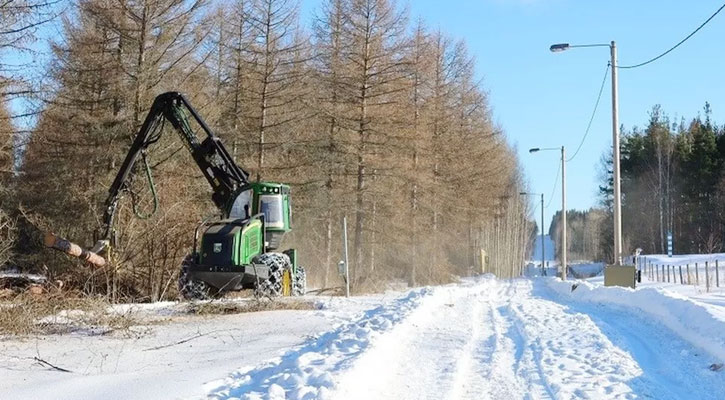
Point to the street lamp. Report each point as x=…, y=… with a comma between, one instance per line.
x=562, y=273
x=559, y=47
x=543, y=251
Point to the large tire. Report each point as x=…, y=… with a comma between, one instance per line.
x=277, y=264
x=190, y=288
x=299, y=283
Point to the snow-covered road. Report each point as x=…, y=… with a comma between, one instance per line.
x=481, y=338
x=487, y=339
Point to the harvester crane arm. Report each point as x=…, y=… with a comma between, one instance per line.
x=213, y=159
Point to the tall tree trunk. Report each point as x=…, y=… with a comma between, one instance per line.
x=141, y=68
x=265, y=89
x=362, y=149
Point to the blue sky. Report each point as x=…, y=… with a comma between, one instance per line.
x=542, y=99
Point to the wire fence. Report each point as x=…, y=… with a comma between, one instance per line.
x=698, y=273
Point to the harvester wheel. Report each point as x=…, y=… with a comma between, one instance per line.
x=190, y=288
x=277, y=264
x=299, y=286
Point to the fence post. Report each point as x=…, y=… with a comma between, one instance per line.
x=657, y=273
x=697, y=276
x=717, y=275
x=680, y=274
x=668, y=273
x=707, y=278
x=688, y=273
x=347, y=265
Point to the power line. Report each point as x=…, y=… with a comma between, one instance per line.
x=677, y=45
x=556, y=181
x=594, y=112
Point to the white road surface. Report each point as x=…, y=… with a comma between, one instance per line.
x=488, y=339
x=479, y=339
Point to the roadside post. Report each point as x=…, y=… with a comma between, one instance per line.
x=697, y=275
x=346, y=267
x=717, y=275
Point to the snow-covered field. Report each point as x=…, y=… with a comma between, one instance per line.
x=481, y=338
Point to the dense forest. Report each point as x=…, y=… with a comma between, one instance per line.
x=672, y=181
x=583, y=233
x=362, y=112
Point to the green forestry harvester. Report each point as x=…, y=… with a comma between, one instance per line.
x=237, y=251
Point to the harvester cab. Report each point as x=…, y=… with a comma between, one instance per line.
x=239, y=250
x=270, y=199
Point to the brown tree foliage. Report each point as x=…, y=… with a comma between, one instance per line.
x=113, y=59
x=362, y=117
x=19, y=21
x=7, y=224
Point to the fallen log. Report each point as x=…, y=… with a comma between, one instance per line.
x=73, y=249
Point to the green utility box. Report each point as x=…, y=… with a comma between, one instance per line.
x=620, y=275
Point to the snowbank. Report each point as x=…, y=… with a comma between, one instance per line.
x=689, y=319
x=305, y=372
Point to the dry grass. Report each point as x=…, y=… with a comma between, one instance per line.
x=240, y=307
x=60, y=313
x=63, y=313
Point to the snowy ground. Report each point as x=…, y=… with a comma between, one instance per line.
x=479, y=339
x=714, y=300
x=171, y=358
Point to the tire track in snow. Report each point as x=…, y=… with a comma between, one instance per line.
x=672, y=368
x=566, y=355
x=468, y=377
x=527, y=366
x=481, y=339
x=422, y=357
x=493, y=373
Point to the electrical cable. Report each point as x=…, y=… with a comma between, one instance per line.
x=594, y=112
x=556, y=182
x=675, y=46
